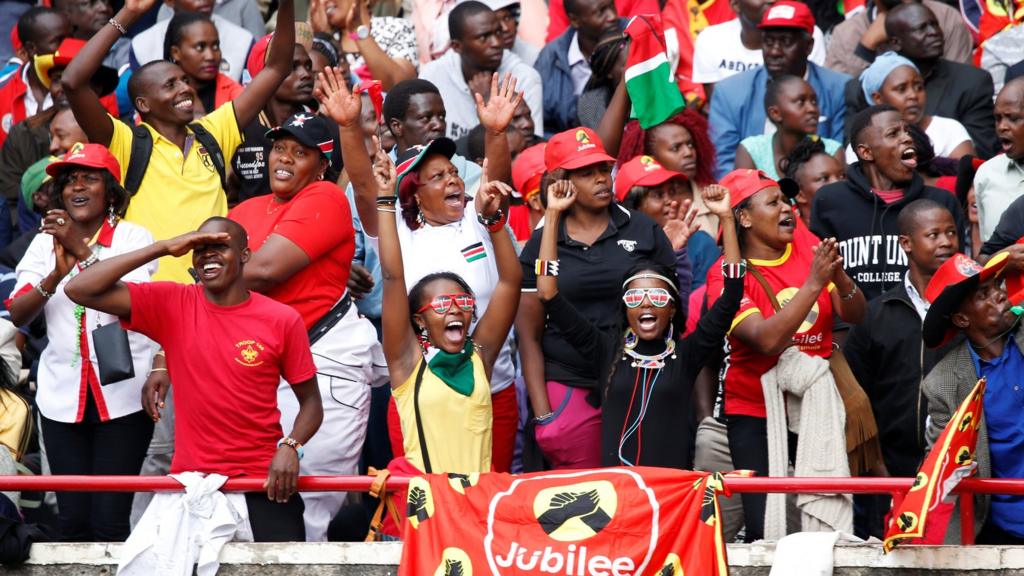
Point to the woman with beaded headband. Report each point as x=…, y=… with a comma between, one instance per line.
x=647, y=371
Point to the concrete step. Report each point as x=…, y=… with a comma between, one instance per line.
x=381, y=559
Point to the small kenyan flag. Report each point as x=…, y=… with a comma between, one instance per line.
x=474, y=252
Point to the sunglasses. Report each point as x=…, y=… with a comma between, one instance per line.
x=634, y=297
x=443, y=303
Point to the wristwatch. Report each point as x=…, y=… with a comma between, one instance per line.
x=362, y=33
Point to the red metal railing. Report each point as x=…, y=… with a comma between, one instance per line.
x=362, y=484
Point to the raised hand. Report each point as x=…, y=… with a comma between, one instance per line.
x=181, y=245
x=58, y=223
x=561, y=195
x=716, y=198
x=497, y=114
x=384, y=172
x=336, y=101
x=679, y=230
x=65, y=260
x=826, y=260
x=318, y=17
x=139, y=6
x=492, y=195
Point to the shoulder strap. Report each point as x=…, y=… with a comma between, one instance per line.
x=764, y=284
x=138, y=160
x=207, y=140
x=419, y=420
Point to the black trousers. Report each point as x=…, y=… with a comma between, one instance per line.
x=92, y=447
x=273, y=522
x=748, y=443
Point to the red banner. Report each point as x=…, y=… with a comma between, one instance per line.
x=922, y=514
x=609, y=522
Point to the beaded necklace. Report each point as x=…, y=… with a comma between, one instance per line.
x=649, y=368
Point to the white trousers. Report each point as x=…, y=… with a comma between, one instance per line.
x=349, y=360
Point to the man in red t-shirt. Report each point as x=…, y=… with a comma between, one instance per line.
x=227, y=350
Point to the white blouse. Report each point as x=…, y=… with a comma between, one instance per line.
x=65, y=371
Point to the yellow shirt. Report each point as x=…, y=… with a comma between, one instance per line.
x=180, y=190
x=14, y=423
x=457, y=428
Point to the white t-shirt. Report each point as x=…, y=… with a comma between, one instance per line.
x=459, y=104
x=719, y=53
x=945, y=133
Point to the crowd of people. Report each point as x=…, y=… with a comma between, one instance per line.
x=320, y=237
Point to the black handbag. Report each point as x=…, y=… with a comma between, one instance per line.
x=113, y=353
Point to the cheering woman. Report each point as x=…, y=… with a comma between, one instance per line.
x=440, y=373
x=646, y=371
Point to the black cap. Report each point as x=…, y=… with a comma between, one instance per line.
x=309, y=129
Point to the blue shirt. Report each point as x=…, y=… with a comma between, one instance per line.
x=1003, y=405
x=370, y=304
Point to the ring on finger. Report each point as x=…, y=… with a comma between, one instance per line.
x=61, y=222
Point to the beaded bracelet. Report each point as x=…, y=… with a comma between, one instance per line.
x=92, y=259
x=495, y=222
x=387, y=200
x=117, y=25
x=545, y=267
x=42, y=292
x=734, y=270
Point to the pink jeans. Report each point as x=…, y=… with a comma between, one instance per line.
x=571, y=438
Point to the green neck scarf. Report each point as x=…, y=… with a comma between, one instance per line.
x=455, y=370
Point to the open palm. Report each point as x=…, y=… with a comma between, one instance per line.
x=497, y=113
x=336, y=101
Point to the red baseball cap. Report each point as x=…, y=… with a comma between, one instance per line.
x=954, y=281
x=745, y=182
x=528, y=169
x=88, y=156
x=260, y=50
x=642, y=171
x=788, y=14
x=574, y=148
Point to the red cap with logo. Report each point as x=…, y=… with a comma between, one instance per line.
x=528, y=169
x=87, y=156
x=642, y=171
x=745, y=182
x=954, y=281
x=575, y=148
x=788, y=14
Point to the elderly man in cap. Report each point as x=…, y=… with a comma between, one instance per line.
x=966, y=297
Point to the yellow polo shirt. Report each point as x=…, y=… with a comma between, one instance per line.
x=180, y=189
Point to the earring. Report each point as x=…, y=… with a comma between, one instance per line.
x=420, y=219
x=111, y=216
x=630, y=340
x=320, y=177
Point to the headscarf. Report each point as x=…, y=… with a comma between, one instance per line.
x=874, y=76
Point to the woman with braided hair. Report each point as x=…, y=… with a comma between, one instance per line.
x=607, y=65
x=811, y=166
x=646, y=371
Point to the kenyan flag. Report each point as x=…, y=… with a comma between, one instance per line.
x=474, y=252
x=649, y=79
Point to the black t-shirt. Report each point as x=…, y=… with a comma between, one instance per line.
x=249, y=164
x=590, y=278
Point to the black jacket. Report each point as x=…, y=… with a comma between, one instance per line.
x=865, y=227
x=887, y=355
x=953, y=90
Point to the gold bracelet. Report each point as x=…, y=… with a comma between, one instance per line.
x=151, y=370
x=160, y=353
x=391, y=210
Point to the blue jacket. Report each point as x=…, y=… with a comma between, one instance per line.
x=559, y=96
x=737, y=109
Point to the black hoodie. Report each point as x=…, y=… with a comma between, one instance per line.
x=865, y=227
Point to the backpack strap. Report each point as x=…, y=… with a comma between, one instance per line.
x=207, y=141
x=138, y=161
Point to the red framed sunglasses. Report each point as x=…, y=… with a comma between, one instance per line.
x=442, y=303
